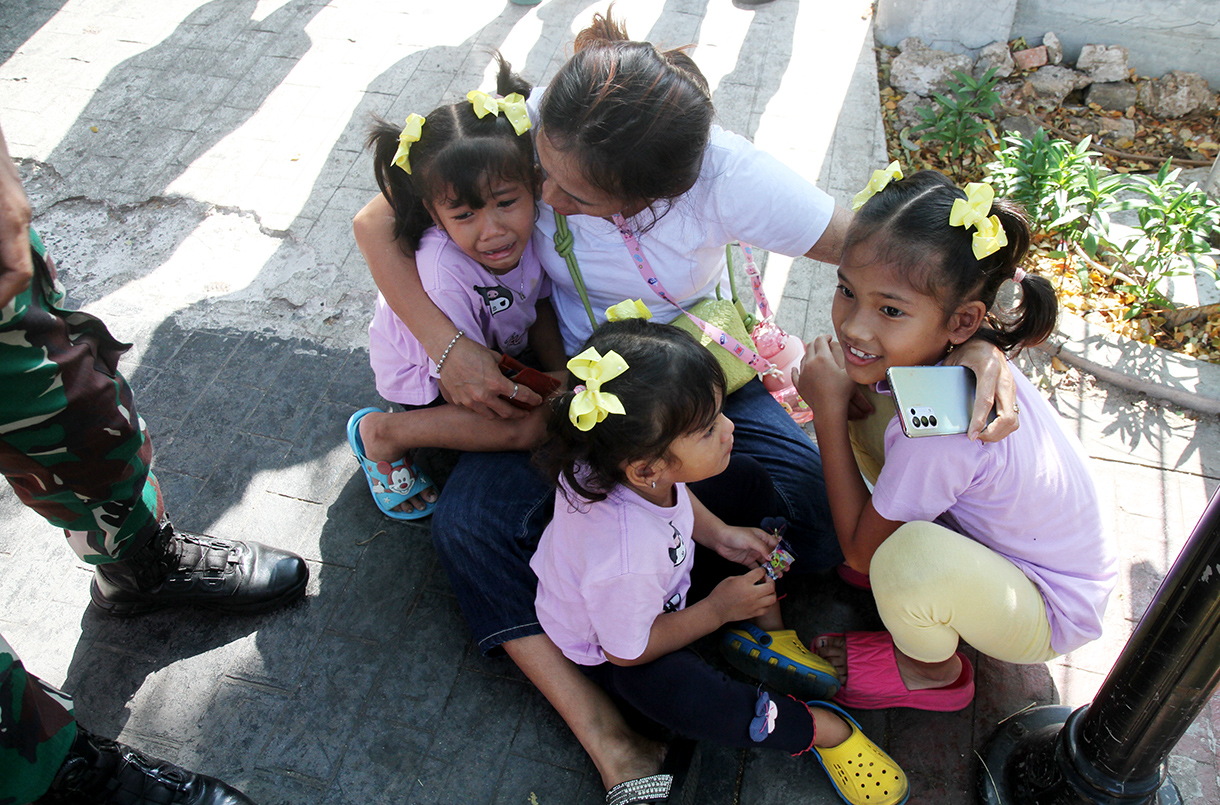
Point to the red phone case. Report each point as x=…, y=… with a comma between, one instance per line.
x=518, y=372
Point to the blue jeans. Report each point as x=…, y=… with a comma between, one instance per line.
x=496, y=505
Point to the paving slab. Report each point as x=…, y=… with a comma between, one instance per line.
x=207, y=219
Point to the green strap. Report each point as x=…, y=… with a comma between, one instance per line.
x=563, y=245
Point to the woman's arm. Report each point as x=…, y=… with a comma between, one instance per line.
x=994, y=388
x=545, y=339
x=470, y=376
x=829, y=248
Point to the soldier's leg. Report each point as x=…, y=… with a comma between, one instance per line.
x=36, y=731
x=75, y=450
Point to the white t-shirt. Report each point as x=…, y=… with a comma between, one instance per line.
x=606, y=571
x=1029, y=497
x=742, y=194
x=493, y=310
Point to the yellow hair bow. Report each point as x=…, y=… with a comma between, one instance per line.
x=973, y=210
x=410, y=134
x=881, y=177
x=628, y=309
x=988, y=237
x=590, y=404
x=513, y=107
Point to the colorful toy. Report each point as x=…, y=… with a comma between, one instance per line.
x=781, y=558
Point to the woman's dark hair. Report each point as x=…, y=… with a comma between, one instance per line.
x=456, y=154
x=911, y=217
x=672, y=387
x=637, y=119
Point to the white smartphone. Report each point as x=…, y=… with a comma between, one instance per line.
x=932, y=400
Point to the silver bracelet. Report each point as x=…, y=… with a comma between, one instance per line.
x=445, y=354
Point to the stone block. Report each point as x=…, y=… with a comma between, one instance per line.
x=1051, y=84
x=1112, y=95
x=925, y=71
x=1119, y=128
x=1054, y=49
x=1103, y=62
x=1175, y=94
x=995, y=55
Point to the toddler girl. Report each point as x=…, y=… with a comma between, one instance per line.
x=614, y=565
x=1002, y=544
x=461, y=183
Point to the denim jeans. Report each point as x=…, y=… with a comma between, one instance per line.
x=496, y=505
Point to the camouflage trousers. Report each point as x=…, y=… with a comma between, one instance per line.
x=71, y=443
x=36, y=730
x=74, y=449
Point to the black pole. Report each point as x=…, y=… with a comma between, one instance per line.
x=1116, y=749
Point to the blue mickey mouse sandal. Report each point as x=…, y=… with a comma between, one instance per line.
x=780, y=661
x=392, y=483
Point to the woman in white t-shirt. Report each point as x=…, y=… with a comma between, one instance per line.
x=625, y=130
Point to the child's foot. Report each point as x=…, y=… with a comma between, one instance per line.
x=860, y=771
x=377, y=447
x=876, y=675
x=915, y=675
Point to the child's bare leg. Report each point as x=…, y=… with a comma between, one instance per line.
x=771, y=620
x=618, y=752
x=390, y=436
x=829, y=729
x=915, y=675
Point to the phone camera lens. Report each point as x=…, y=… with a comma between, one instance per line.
x=932, y=419
x=923, y=420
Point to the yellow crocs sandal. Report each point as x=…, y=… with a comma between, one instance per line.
x=780, y=661
x=860, y=771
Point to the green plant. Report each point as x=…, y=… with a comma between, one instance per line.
x=1172, y=240
x=1060, y=185
x=957, y=118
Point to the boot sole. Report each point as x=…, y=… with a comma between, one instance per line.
x=128, y=609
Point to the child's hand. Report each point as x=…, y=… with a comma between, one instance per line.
x=745, y=546
x=740, y=598
x=822, y=380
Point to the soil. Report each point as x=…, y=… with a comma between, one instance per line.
x=1191, y=141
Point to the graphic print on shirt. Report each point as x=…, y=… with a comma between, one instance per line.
x=677, y=547
x=673, y=604
x=497, y=298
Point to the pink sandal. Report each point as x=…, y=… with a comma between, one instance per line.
x=873, y=681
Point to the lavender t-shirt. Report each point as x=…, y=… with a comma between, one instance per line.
x=493, y=310
x=606, y=571
x=1029, y=497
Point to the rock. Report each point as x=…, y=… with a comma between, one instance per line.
x=1103, y=63
x=1112, y=95
x=911, y=43
x=1013, y=95
x=925, y=71
x=1050, y=85
x=1020, y=124
x=1116, y=128
x=1054, y=49
x=1175, y=94
x=1086, y=125
x=908, y=110
x=995, y=55
x=1030, y=58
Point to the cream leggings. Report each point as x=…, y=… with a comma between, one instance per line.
x=934, y=586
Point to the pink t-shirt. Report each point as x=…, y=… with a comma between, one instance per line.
x=1029, y=497
x=495, y=311
x=607, y=570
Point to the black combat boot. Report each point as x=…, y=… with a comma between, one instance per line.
x=176, y=569
x=99, y=771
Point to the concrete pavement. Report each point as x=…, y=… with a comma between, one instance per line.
x=194, y=167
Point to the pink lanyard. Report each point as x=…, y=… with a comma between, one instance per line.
x=751, y=358
x=764, y=310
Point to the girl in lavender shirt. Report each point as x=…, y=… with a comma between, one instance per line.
x=1000, y=544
